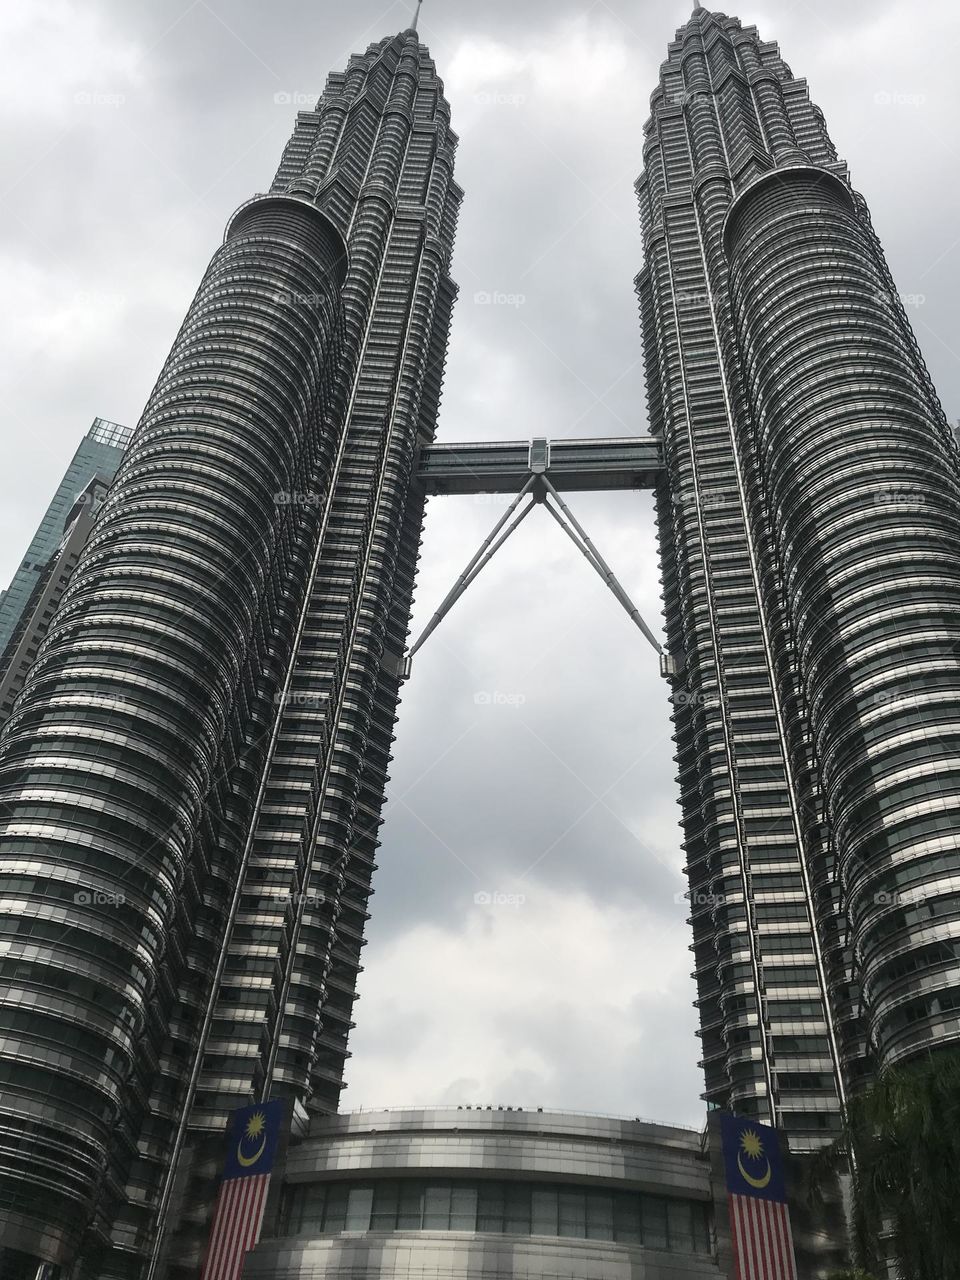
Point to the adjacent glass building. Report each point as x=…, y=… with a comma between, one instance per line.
x=51, y=582
x=98, y=454
x=192, y=776
x=809, y=519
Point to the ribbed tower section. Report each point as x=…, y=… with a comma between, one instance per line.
x=809, y=541
x=859, y=467
x=193, y=776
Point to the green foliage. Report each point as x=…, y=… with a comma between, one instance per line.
x=904, y=1133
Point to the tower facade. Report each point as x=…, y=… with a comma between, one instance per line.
x=193, y=774
x=809, y=519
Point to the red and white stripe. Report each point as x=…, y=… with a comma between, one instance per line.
x=236, y=1226
x=762, y=1239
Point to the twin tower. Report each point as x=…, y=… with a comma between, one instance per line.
x=192, y=777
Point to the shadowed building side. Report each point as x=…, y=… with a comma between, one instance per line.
x=768, y=964
x=109, y=763
x=193, y=775
x=809, y=537
x=376, y=157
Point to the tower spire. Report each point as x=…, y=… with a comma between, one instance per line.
x=416, y=16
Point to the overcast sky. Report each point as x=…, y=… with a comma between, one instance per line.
x=132, y=131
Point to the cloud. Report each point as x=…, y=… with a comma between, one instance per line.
x=545, y=998
x=58, y=57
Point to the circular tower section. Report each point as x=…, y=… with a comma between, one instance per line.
x=114, y=747
x=861, y=479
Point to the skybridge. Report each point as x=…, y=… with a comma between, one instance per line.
x=538, y=472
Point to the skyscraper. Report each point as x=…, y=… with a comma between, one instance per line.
x=809, y=522
x=98, y=453
x=193, y=774
x=192, y=778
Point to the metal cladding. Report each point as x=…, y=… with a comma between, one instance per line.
x=114, y=744
x=193, y=775
x=859, y=467
x=809, y=535
x=496, y=1192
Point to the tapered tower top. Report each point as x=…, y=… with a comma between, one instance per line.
x=416, y=16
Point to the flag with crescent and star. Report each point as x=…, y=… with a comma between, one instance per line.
x=253, y=1136
x=757, y=1193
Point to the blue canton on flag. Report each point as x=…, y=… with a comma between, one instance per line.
x=751, y=1153
x=252, y=1139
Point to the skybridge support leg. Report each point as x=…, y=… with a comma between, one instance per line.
x=488, y=550
x=541, y=490
x=582, y=540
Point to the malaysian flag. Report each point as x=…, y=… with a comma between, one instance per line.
x=253, y=1135
x=757, y=1196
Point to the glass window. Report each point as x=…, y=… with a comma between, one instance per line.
x=490, y=1207
x=335, y=1217
x=626, y=1219
x=680, y=1226
x=385, y=1204
x=463, y=1209
x=410, y=1212
x=436, y=1209
x=599, y=1215
x=510, y=1207
x=701, y=1228
x=359, y=1205
x=516, y=1220
x=654, y=1217
x=544, y=1211
x=573, y=1214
